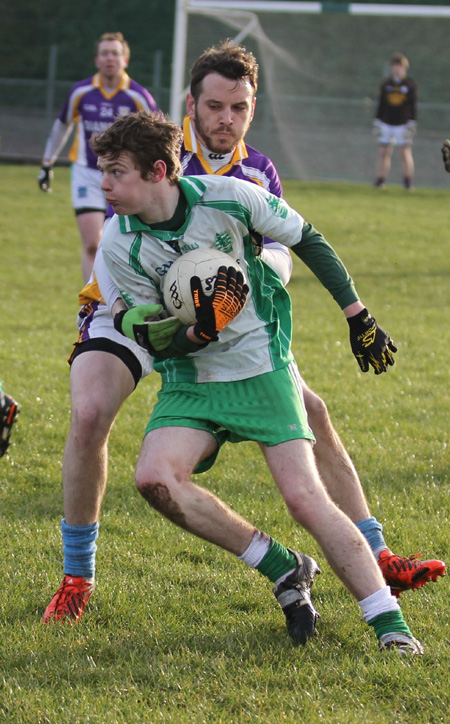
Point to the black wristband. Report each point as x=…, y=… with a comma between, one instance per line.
x=180, y=345
x=362, y=318
x=118, y=320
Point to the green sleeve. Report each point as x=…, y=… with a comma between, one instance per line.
x=323, y=261
x=180, y=345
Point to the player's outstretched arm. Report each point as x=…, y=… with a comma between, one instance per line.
x=370, y=344
x=56, y=141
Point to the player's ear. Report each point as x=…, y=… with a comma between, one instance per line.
x=159, y=171
x=253, y=108
x=190, y=105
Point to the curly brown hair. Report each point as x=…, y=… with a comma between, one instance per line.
x=147, y=137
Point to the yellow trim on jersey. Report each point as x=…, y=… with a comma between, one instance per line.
x=191, y=144
x=123, y=85
x=73, y=153
x=256, y=181
x=90, y=293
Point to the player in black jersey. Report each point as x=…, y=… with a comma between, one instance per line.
x=395, y=121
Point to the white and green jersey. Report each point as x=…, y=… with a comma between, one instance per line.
x=222, y=211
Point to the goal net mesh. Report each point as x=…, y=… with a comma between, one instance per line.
x=319, y=81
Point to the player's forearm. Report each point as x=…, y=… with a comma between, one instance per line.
x=55, y=142
x=326, y=265
x=353, y=309
x=184, y=342
x=108, y=288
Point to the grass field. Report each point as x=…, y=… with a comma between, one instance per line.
x=177, y=630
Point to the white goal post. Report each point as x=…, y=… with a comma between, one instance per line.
x=310, y=53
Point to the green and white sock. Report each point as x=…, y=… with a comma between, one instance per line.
x=277, y=563
x=269, y=557
x=382, y=612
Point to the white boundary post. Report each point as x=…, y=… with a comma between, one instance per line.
x=178, y=60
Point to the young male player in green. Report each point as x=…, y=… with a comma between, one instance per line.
x=232, y=374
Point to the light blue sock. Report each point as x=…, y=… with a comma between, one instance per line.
x=79, y=548
x=372, y=530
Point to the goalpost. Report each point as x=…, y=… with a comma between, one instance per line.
x=321, y=65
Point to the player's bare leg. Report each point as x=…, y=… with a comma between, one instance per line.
x=100, y=382
x=335, y=466
x=342, y=482
x=348, y=553
x=90, y=225
x=168, y=457
x=293, y=467
x=383, y=164
x=407, y=163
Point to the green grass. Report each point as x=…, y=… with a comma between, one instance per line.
x=177, y=630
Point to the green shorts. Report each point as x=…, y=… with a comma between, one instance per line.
x=268, y=409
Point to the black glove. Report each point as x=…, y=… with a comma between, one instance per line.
x=215, y=311
x=45, y=177
x=136, y=324
x=446, y=155
x=370, y=344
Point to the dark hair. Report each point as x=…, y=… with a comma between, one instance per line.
x=228, y=59
x=147, y=137
x=114, y=36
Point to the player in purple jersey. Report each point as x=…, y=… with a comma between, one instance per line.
x=395, y=121
x=93, y=104
x=106, y=366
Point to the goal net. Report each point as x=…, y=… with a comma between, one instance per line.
x=321, y=65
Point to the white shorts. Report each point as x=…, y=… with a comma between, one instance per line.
x=394, y=135
x=86, y=188
x=97, y=332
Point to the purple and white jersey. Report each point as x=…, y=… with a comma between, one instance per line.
x=245, y=162
x=93, y=109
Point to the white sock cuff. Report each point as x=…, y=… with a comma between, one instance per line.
x=257, y=549
x=382, y=601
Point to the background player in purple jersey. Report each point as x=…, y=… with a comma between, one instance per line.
x=220, y=106
x=93, y=104
x=395, y=121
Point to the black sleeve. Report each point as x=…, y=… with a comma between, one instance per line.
x=180, y=345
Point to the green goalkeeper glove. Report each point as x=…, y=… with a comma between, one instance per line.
x=370, y=344
x=152, y=336
x=446, y=155
x=214, y=312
